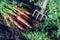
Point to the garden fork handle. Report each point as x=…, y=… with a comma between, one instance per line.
x=45, y=4
x=41, y=12
x=43, y=9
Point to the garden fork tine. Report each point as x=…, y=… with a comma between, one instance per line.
x=35, y=12
x=42, y=10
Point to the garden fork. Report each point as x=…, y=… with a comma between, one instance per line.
x=41, y=12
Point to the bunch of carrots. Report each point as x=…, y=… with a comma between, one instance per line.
x=21, y=19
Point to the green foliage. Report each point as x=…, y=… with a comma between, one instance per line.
x=58, y=33
x=7, y=7
x=53, y=21
x=36, y=36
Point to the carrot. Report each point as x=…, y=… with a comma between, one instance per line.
x=24, y=21
x=24, y=17
x=20, y=12
x=12, y=19
x=26, y=12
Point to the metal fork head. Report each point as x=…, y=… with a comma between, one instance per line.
x=38, y=14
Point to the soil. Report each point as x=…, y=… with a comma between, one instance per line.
x=7, y=33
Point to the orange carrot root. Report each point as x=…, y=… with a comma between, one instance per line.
x=20, y=12
x=26, y=12
x=12, y=19
x=24, y=21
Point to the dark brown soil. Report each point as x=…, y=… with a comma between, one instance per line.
x=7, y=33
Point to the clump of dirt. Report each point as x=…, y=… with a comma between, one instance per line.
x=9, y=34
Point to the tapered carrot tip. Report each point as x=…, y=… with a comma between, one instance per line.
x=24, y=21
x=26, y=12
x=12, y=19
x=24, y=17
x=20, y=12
